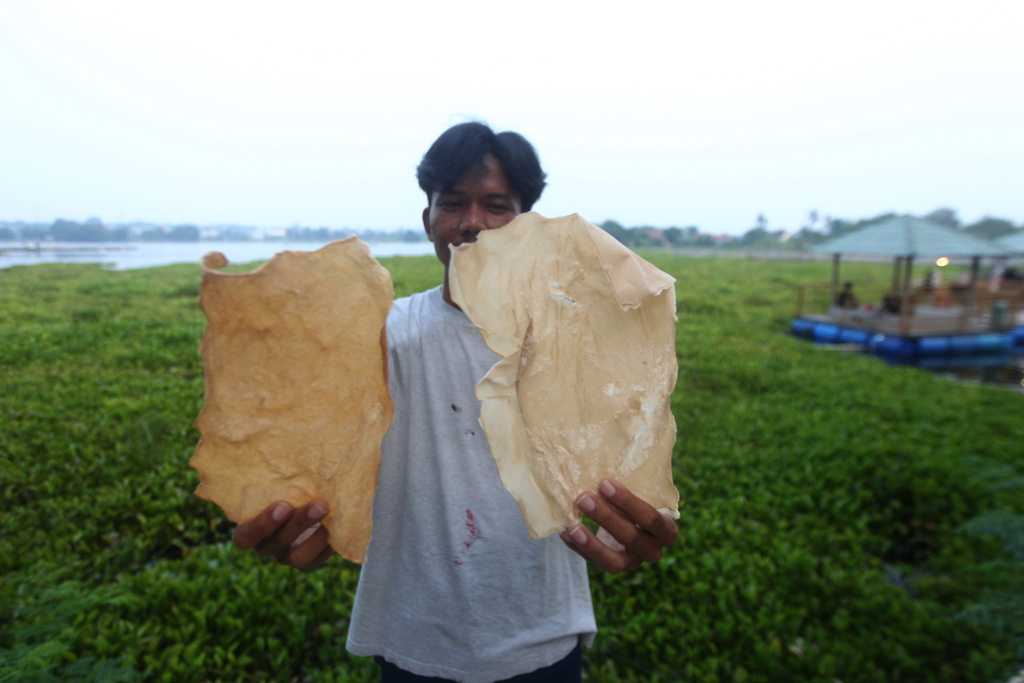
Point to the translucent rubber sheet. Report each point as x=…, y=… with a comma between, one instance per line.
x=586, y=332
x=296, y=399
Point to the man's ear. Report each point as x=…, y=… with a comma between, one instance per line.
x=426, y=223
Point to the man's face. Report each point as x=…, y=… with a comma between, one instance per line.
x=480, y=200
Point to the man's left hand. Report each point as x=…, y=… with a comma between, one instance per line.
x=632, y=532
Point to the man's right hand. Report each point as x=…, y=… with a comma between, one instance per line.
x=291, y=536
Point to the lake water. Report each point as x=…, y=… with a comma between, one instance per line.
x=125, y=255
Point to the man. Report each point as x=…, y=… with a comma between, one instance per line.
x=452, y=586
x=846, y=298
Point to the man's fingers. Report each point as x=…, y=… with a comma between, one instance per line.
x=644, y=547
x=326, y=555
x=307, y=516
x=308, y=553
x=279, y=544
x=634, y=530
x=636, y=541
x=609, y=517
x=608, y=539
x=586, y=544
x=639, y=512
x=567, y=539
x=250, y=534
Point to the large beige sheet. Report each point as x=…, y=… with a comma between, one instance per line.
x=296, y=388
x=586, y=332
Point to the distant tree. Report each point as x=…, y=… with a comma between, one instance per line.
x=680, y=237
x=412, y=236
x=71, y=231
x=35, y=233
x=153, y=235
x=675, y=236
x=944, y=216
x=753, y=236
x=65, y=231
x=616, y=230
x=234, y=234
x=761, y=238
x=6, y=234
x=806, y=237
x=314, y=234
x=812, y=219
x=761, y=223
x=880, y=218
x=810, y=233
x=991, y=228
x=837, y=227
x=183, y=233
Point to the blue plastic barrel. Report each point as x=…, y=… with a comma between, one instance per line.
x=802, y=328
x=907, y=348
x=1018, y=337
x=963, y=344
x=826, y=333
x=850, y=336
x=993, y=343
x=933, y=346
x=899, y=348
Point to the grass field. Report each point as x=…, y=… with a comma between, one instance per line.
x=843, y=520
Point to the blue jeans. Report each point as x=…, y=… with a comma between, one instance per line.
x=568, y=670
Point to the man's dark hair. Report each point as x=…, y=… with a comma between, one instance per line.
x=464, y=146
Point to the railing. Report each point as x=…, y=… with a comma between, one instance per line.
x=975, y=303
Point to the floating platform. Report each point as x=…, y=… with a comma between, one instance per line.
x=971, y=349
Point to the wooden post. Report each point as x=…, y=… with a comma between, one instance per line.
x=835, y=280
x=969, y=304
x=896, y=274
x=905, y=311
x=975, y=267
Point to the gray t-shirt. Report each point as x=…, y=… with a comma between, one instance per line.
x=452, y=585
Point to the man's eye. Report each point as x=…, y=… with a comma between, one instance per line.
x=499, y=208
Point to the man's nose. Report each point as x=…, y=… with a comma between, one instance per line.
x=473, y=219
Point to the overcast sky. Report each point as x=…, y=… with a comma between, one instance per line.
x=274, y=114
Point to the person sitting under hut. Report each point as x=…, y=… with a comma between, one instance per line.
x=931, y=290
x=846, y=298
x=891, y=303
x=960, y=290
x=523, y=608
